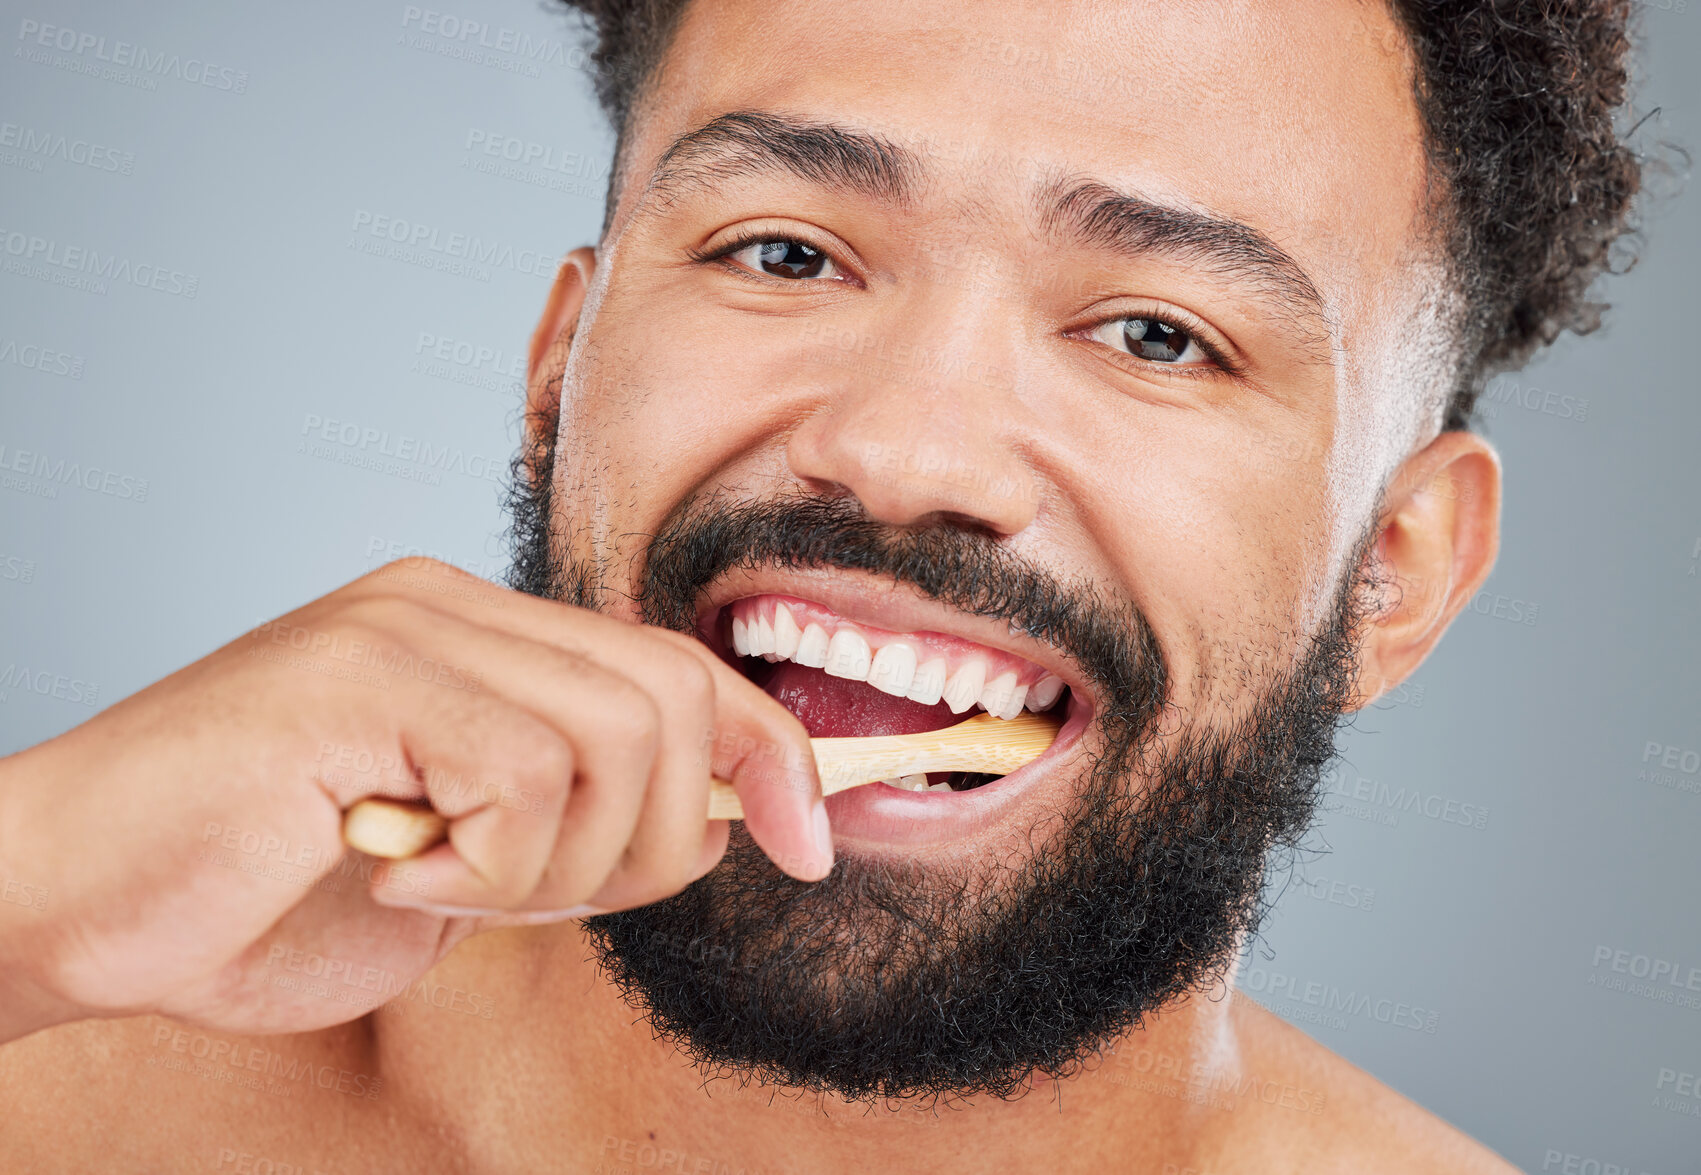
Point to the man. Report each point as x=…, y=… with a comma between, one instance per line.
x=1110, y=360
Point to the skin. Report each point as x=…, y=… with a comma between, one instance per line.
x=1224, y=505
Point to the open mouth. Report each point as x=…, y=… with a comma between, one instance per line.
x=845, y=678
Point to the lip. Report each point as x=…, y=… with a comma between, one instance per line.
x=876, y=819
x=875, y=816
x=879, y=603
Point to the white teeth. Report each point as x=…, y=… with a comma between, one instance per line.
x=1043, y=694
x=1013, y=707
x=928, y=683
x=995, y=694
x=908, y=783
x=1002, y=697
x=812, y=647
x=786, y=632
x=761, y=636
x=963, y=690
x=848, y=656
x=939, y=787
x=893, y=668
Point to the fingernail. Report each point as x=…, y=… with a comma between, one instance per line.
x=444, y=911
x=823, y=837
x=544, y=917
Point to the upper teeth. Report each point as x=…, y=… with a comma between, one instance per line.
x=894, y=668
x=1003, y=698
x=928, y=685
x=786, y=634
x=848, y=655
x=812, y=647
x=964, y=687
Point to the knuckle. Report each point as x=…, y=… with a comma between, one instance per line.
x=633, y=721
x=534, y=754
x=573, y=664
x=690, y=696
x=417, y=564
x=384, y=613
x=408, y=613
x=364, y=634
x=696, y=683
x=350, y=630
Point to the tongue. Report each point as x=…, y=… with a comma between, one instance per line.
x=831, y=707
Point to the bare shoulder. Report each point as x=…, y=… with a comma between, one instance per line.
x=52, y=1080
x=1364, y=1125
x=153, y=1094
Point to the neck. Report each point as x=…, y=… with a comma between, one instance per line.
x=562, y=1071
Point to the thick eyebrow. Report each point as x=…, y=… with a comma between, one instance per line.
x=1095, y=215
x=744, y=142
x=1084, y=211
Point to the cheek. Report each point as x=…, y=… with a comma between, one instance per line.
x=673, y=393
x=1222, y=539
x=633, y=424
x=651, y=415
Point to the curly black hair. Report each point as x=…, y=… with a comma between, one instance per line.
x=1519, y=100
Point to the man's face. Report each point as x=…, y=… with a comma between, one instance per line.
x=1114, y=311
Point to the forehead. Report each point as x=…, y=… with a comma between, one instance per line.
x=1293, y=116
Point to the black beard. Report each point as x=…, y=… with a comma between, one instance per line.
x=892, y=982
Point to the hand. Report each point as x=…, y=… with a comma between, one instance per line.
x=188, y=839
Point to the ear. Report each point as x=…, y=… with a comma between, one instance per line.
x=554, y=334
x=1439, y=534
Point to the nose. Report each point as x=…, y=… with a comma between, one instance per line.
x=919, y=435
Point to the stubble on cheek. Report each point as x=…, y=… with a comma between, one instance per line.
x=1224, y=672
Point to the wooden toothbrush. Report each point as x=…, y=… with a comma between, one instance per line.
x=395, y=830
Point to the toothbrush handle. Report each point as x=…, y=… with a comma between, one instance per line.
x=396, y=830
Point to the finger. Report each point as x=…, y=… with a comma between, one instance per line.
x=753, y=742
x=626, y=890
x=614, y=730
x=502, y=776
x=662, y=855
x=758, y=745
x=780, y=792
x=605, y=901
x=331, y=958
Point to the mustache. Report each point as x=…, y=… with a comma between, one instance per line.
x=963, y=567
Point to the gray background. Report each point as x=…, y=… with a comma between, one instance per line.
x=1498, y=829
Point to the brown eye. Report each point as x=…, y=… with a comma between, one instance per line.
x=785, y=258
x=1158, y=341
x=1153, y=340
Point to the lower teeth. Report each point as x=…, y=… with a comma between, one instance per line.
x=955, y=781
x=909, y=783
